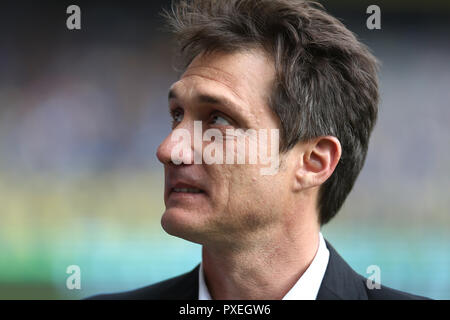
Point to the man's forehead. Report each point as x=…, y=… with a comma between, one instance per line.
x=245, y=74
x=212, y=73
x=214, y=76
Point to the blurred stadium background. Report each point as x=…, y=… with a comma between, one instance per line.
x=82, y=113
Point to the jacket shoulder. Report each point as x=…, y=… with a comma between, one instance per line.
x=386, y=293
x=183, y=287
x=341, y=282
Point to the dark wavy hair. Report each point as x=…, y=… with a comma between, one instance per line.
x=326, y=80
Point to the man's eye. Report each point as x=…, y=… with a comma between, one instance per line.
x=177, y=116
x=219, y=120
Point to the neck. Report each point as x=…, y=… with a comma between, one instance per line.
x=266, y=269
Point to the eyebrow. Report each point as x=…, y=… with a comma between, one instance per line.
x=205, y=98
x=219, y=100
x=172, y=94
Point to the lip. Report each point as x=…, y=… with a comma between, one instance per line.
x=183, y=197
x=179, y=183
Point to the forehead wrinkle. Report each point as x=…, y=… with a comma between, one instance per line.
x=244, y=108
x=227, y=78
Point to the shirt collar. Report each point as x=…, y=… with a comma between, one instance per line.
x=306, y=288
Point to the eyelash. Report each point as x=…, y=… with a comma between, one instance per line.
x=215, y=114
x=174, y=113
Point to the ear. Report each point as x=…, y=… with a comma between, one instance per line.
x=318, y=161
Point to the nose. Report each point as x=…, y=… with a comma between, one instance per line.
x=177, y=147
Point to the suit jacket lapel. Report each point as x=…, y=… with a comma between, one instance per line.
x=340, y=281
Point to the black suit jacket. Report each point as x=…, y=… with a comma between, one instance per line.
x=340, y=282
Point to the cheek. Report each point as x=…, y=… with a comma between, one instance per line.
x=254, y=203
x=251, y=191
x=240, y=189
x=244, y=187
x=220, y=180
x=231, y=187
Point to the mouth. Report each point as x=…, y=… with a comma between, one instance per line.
x=187, y=190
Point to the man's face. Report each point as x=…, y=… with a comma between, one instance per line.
x=225, y=203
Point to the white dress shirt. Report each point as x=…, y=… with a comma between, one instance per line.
x=306, y=288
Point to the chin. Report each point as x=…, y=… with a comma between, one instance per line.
x=181, y=223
